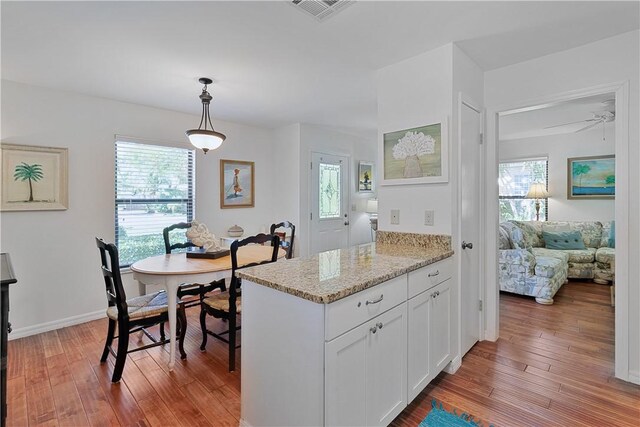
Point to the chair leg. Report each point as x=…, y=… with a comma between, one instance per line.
x=121, y=356
x=110, y=333
x=203, y=326
x=162, y=338
x=182, y=321
x=232, y=342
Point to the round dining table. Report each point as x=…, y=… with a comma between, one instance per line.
x=172, y=270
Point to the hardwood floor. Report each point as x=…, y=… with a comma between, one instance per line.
x=553, y=365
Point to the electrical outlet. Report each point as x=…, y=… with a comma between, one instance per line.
x=428, y=217
x=395, y=216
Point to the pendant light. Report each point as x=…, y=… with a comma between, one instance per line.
x=203, y=138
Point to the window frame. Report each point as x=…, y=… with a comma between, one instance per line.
x=546, y=184
x=190, y=200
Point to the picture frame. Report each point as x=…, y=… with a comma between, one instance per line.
x=418, y=155
x=591, y=177
x=366, y=177
x=237, y=184
x=34, y=178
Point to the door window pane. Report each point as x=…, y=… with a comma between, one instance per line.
x=330, y=191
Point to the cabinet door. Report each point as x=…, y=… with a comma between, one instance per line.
x=386, y=366
x=418, y=325
x=440, y=344
x=345, y=378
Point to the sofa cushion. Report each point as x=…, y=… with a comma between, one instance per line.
x=591, y=232
x=553, y=253
x=563, y=240
x=517, y=238
x=605, y=255
x=606, y=231
x=503, y=238
x=547, y=266
x=581, y=255
x=581, y=270
x=533, y=232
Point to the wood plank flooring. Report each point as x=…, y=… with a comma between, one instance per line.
x=553, y=365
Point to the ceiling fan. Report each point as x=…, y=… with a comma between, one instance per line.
x=598, y=117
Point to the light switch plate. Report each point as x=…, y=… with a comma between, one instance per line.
x=395, y=216
x=428, y=217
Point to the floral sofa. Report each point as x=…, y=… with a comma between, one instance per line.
x=527, y=267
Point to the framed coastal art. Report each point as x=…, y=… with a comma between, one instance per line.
x=365, y=177
x=416, y=155
x=33, y=178
x=237, y=184
x=591, y=177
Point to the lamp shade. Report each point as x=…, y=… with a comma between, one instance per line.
x=372, y=206
x=205, y=139
x=537, y=191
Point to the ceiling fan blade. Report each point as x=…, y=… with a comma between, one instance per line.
x=589, y=127
x=571, y=123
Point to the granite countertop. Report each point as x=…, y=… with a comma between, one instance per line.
x=333, y=275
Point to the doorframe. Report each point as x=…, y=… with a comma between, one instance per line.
x=492, y=314
x=310, y=194
x=465, y=100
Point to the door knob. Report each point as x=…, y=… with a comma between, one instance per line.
x=466, y=245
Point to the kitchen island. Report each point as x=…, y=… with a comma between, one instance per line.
x=346, y=337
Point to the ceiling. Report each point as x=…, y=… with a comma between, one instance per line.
x=273, y=65
x=536, y=122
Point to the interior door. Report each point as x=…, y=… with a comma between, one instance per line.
x=470, y=141
x=329, y=202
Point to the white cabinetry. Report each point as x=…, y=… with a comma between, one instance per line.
x=366, y=372
x=429, y=325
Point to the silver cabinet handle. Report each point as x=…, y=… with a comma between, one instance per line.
x=373, y=330
x=379, y=325
x=375, y=301
x=434, y=274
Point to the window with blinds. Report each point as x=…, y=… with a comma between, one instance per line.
x=514, y=180
x=155, y=187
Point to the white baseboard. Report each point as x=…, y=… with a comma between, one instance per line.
x=56, y=324
x=453, y=366
x=634, y=377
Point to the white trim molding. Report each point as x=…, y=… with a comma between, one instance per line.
x=57, y=324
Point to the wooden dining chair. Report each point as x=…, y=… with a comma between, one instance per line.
x=227, y=305
x=189, y=289
x=132, y=315
x=284, y=244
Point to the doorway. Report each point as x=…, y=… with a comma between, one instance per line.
x=620, y=92
x=329, y=202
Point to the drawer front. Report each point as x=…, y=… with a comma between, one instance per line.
x=427, y=277
x=349, y=312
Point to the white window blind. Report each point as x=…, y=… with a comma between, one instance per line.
x=514, y=180
x=155, y=187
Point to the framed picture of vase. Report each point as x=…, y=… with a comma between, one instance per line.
x=416, y=155
x=592, y=177
x=365, y=177
x=33, y=178
x=237, y=184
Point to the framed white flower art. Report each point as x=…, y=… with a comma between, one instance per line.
x=416, y=156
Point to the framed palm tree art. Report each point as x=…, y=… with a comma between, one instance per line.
x=33, y=178
x=592, y=177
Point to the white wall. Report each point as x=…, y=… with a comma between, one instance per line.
x=413, y=93
x=54, y=253
x=325, y=140
x=558, y=148
x=604, y=62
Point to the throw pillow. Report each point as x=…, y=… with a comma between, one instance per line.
x=563, y=240
x=612, y=235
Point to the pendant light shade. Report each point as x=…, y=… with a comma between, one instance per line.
x=205, y=138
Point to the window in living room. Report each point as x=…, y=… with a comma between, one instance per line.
x=155, y=187
x=514, y=180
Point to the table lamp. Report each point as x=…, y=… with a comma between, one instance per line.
x=372, y=210
x=537, y=191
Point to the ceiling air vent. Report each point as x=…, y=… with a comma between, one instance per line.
x=321, y=9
